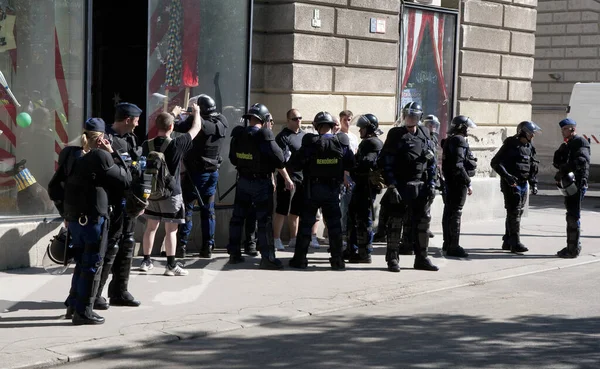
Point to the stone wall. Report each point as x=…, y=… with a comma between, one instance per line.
x=497, y=44
x=567, y=51
x=336, y=66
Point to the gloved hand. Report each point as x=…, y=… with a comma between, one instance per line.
x=558, y=177
x=534, y=190
x=511, y=180
x=395, y=197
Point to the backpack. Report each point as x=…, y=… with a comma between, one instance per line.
x=156, y=166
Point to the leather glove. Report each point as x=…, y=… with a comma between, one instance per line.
x=558, y=176
x=395, y=197
x=534, y=190
x=511, y=180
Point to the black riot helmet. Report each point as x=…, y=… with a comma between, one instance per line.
x=259, y=111
x=528, y=127
x=323, y=117
x=207, y=105
x=59, y=253
x=369, y=122
x=432, y=123
x=460, y=124
x=412, y=109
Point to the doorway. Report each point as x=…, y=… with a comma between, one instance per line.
x=119, y=59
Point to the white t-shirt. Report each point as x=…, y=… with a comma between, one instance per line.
x=353, y=141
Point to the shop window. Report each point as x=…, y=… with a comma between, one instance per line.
x=428, y=51
x=42, y=60
x=200, y=47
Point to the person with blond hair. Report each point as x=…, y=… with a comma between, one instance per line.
x=90, y=174
x=170, y=209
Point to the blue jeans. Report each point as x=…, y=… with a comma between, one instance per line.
x=206, y=183
x=88, y=254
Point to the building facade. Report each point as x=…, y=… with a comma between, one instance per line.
x=566, y=52
x=470, y=57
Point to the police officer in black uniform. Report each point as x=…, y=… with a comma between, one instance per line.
x=516, y=165
x=572, y=159
x=255, y=155
x=366, y=188
x=93, y=180
x=202, y=174
x=458, y=166
x=433, y=125
x=323, y=158
x=409, y=172
x=121, y=242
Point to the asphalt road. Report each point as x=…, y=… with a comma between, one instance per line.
x=543, y=320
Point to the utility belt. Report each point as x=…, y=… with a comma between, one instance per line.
x=252, y=176
x=84, y=219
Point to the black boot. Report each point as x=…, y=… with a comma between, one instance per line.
x=337, y=263
x=250, y=248
x=100, y=303
x=206, y=250
x=336, y=244
x=393, y=260
x=124, y=299
x=422, y=263
x=299, y=261
x=268, y=260
x=457, y=252
x=90, y=318
x=181, y=252
x=573, y=248
x=361, y=257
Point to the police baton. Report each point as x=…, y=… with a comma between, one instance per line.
x=196, y=192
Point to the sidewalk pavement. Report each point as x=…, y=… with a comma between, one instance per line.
x=216, y=297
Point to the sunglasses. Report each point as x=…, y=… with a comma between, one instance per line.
x=296, y=118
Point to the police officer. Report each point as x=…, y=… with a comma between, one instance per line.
x=366, y=188
x=515, y=163
x=93, y=180
x=202, y=174
x=572, y=159
x=409, y=172
x=323, y=158
x=255, y=155
x=121, y=242
x=458, y=166
x=433, y=125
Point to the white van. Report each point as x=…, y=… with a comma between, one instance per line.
x=584, y=109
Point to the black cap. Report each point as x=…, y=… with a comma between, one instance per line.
x=126, y=109
x=94, y=125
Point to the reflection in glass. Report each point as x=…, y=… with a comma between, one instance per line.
x=428, y=46
x=42, y=61
x=199, y=47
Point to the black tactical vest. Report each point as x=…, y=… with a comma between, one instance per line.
x=326, y=160
x=205, y=155
x=247, y=152
x=411, y=160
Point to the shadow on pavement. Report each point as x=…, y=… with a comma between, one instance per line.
x=416, y=341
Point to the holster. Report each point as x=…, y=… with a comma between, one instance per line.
x=413, y=189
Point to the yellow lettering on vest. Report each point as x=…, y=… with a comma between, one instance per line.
x=243, y=156
x=329, y=161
